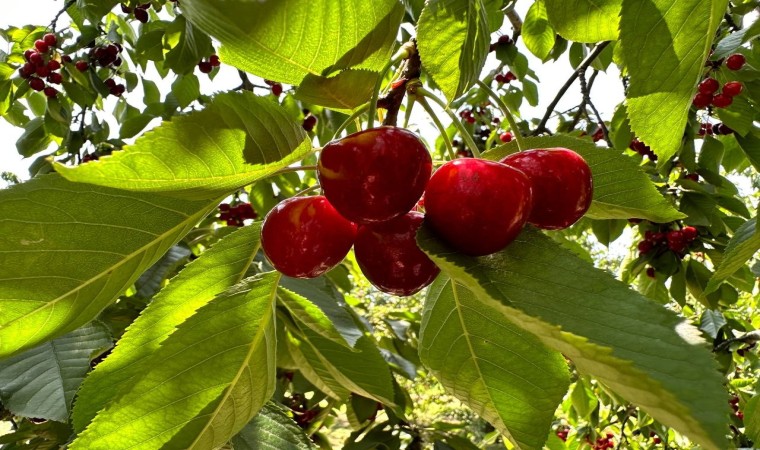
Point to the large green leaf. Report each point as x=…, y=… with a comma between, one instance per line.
x=238, y=139
x=314, y=369
x=453, y=40
x=504, y=373
x=537, y=32
x=347, y=90
x=642, y=351
x=665, y=45
x=585, y=20
x=41, y=382
x=741, y=248
x=294, y=38
x=217, y=269
x=621, y=189
x=272, y=429
x=67, y=250
x=206, y=380
x=191, y=46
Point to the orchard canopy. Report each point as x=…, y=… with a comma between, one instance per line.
x=271, y=265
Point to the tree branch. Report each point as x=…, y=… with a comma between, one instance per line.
x=581, y=68
x=54, y=22
x=392, y=101
x=586, y=91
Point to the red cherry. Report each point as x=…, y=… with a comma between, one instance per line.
x=656, y=440
x=42, y=71
x=55, y=78
x=374, y=175
x=562, y=185
x=650, y=272
x=732, y=88
x=36, y=83
x=276, y=89
x=50, y=39
x=205, y=67
x=141, y=15
x=36, y=59
x=645, y=247
x=214, y=60
x=388, y=255
x=304, y=237
x=676, y=241
x=735, y=61
x=689, y=233
x=53, y=65
x=125, y=9
x=722, y=101
x=506, y=137
x=309, y=122
x=81, y=65
x=41, y=46
x=28, y=54
x=477, y=206
x=702, y=101
x=51, y=92
x=66, y=58
x=27, y=70
x=708, y=86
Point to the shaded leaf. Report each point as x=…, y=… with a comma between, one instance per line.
x=347, y=90
x=272, y=429
x=150, y=281
x=741, y=248
x=585, y=20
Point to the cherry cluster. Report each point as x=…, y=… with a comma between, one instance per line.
x=655, y=439
x=41, y=66
x=505, y=77
x=116, y=89
x=140, y=12
x=602, y=442
x=275, y=86
x=734, y=402
x=502, y=42
x=707, y=91
x=234, y=215
x=709, y=129
x=104, y=56
x=642, y=149
x=373, y=179
x=207, y=65
x=676, y=241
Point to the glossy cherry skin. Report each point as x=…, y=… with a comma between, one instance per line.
x=562, y=185
x=375, y=175
x=477, y=206
x=388, y=255
x=304, y=237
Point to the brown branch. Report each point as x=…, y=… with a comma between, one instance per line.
x=246, y=85
x=516, y=22
x=54, y=22
x=541, y=128
x=586, y=92
x=392, y=101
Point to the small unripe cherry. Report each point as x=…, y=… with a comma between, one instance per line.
x=708, y=86
x=722, y=101
x=735, y=61
x=732, y=88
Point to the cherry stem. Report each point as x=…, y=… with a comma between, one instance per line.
x=307, y=190
x=409, y=106
x=422, y=101
x=401, y=54
x=295, y=169
x=466, y=137
x=358, y=112
x=507, y=114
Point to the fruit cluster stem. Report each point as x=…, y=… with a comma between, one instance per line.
x=420, y=91
x=449, y=147
x=411, y=71
x=355, y=115
x=407, y=51
x=507, y=114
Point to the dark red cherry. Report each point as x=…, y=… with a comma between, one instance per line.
x=733, y=88
x=689, y=233
x=388, y=255
x=562, y=185
x=722, y=101
x=477, y=206
x=702, y=101
x=304, y=237
x=709, y=86
x=50, y=39
x=375, y=175
x=735, y=61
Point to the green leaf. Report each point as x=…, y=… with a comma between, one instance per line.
x=186, y=89
x=739, y=116
x=606, y=329
x=537, y=33
x=752, y=418
x=585, y=20
x=733, y=41
x=317, y=305
x=300, y=37
x=711, y=322
x=71, y=228
x=504, y=373
x=750, y=145
x=315, y=369
x=94, y=10
x=272, y=429
x=34, y=139
x=741, y=248
x=150, y=281
x=621, y=189
x=238, y=139
x=345, y=91
x=192, y=46
x=42, y=381
x=207, y=380
x=453, y=41
x=664, y=47
x=216, y=270
x=134, y=125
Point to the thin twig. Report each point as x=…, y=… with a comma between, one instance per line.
x=581, y=68
x=54, y=22
x=586, y=91
x=516, y=22
x=247, y=85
